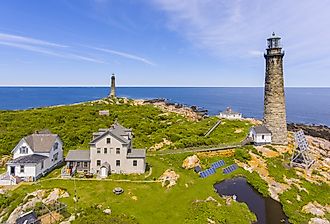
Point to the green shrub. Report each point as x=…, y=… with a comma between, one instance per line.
x=242, y=154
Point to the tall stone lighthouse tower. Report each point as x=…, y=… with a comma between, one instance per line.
x=113, y=86
x=274, y=102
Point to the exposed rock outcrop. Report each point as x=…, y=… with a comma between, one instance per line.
x=160, y=145
x=169, y=178
x=320, y=131
x=31, y=199
x=190, y=162
x=318, y=221
x=316, y=209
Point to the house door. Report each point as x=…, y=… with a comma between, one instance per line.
x=12, y=170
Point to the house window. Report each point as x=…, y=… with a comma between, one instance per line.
x=262, y=137
x=108, y=140
x=98, y=150
x=56, y=146
x=117, y=150
x=55, y=157
x=134, y=162
x=42, y=164
x=98, y=162
x=85, y=164
x=105, y=150
x=23, y=150
x=78, y=164
x=21, y=169
x=117, y=162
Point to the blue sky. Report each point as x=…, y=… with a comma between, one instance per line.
x=161, y=42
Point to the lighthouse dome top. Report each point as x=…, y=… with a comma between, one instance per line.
x=274, y=36
x=274, y=41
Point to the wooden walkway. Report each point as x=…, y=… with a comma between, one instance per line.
x=180, y=151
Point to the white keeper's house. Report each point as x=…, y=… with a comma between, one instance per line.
x=111, y=151
x=35, y=155
x=230, y=114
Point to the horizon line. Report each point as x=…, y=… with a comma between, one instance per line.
x=149, y=86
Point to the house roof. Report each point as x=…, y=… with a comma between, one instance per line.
x=116, y=130
x=27, y=218
x=261, y=129
x=41, y=142
x=34, y=158
x=78, y=155
x=137, y=153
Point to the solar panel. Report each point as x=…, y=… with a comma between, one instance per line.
x=197, y=169
x=207, y=172
x=301, y=140
x=230, y=169
x=218, y=164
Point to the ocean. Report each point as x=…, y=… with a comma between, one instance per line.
x=304, y=105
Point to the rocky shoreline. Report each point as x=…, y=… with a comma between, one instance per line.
x=320, y=131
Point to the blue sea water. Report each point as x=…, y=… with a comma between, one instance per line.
x=304, y=105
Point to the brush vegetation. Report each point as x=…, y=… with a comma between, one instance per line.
x=76, y=123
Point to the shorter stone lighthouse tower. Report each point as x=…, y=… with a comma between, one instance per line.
x=274, y=102
x=113, y=86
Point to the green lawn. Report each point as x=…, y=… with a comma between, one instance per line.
x=175, y=205
x=154, y=202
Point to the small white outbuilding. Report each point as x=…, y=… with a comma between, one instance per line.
x=260, y=135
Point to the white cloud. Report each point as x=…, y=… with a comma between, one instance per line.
x=27, y=40
x=232, y=28
x=125, y=55
x=42, y=47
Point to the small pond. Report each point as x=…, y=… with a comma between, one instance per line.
x=267, y=210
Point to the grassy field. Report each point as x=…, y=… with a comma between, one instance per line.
x=150, y=202
x=76, y=123
x=153, y=202
x=147, y=202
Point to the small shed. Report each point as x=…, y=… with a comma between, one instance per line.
x=260, y=135
x=104, y=170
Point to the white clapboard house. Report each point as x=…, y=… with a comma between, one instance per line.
x=35, y=155
x=260, y=135
x=230, y=114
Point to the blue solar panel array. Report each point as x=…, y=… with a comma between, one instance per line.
x=218, y=164
x=230, y=169
x=207, y=172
